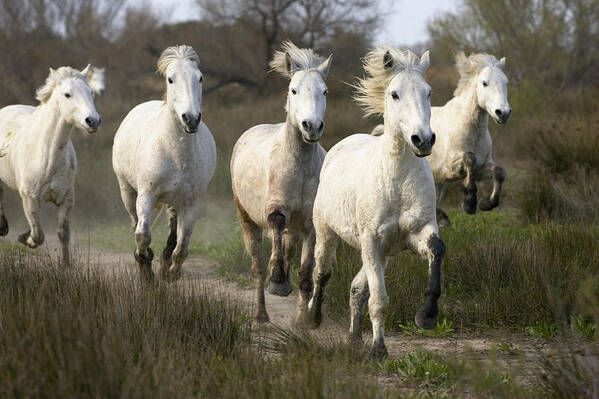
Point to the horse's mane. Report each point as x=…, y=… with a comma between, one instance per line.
x=370, y=90
x=56, y=76
x=174, y=53
x=470, y=67
x=301, y=59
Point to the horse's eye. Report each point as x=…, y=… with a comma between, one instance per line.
x=170, y=80
x=293, y=91
x=394, y=96
x=326, y=92
x=67, y=95
x=485, y=83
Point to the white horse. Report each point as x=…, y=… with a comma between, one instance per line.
x=164, y=154
x=378, y=194
x=464, y=147
x=274, y=172
x=39, y=160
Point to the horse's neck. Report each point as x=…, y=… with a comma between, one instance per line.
x=54, y=134
x=394, y=151
x=469, y=114
x=174, y=136
x=293, y=143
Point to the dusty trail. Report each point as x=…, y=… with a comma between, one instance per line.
x=201, y=272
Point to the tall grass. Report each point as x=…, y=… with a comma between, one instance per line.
x=81, y=333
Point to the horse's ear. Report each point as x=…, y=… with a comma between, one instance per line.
x=388, y=60
x=95, y=78
x=425, y=61
x=51, y=72
x=325, y=66
x=290, y=66
x=502, y=62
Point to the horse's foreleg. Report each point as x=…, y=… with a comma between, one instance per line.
x=358, y=298
x=185, y=222
x=374, y=265
x=252, y=237
x=442, y=218
x=469, y=183
x=143, y=236
x=498, y=175
x=306, y=269
x=279, y=283
x=34, y=237
x=324, y=256
x=3, y=221
x=427, y=243
x=63, y=232
x=129, y=197
x=166, y=259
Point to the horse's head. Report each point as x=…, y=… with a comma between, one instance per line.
x=396, y=88
x=74, y=92
x=306, y=99
x=179, y=66
x=485, y=72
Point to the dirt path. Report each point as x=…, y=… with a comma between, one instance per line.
x=200, y=271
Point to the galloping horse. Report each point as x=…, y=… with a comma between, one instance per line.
x=38, y=159
x=378, y=194
x=274, y=172
x=164, y=154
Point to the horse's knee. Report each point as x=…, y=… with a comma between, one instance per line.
x=498, y=174
x=143, y=238
x=276, y=221
x=469, y=160
x=180, y=256
x=436, y=247
x=63, y=234
x=377, y=304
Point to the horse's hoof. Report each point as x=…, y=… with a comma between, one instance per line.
x=469, y=207
x=22, y=238
x=262, y=317
x=378, y=350
x=143, y=259
x=3, y=226
x=279, y=289
x=486, y=204
x=170, y=276
x=313, y=318
x=425, y=322
x=443, y=222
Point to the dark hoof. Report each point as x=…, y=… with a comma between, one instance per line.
x=22, y=238
x=262, y=317
x=425, y=322
x=378, y=350
x=442, y=219
x=469, y=207
x=3, y=226
x=279, y=289
x=486, y=204
x=143, y=259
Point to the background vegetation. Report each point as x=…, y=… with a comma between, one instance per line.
x=529, y=267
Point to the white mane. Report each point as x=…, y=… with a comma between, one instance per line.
x=56, y=76
x=370, y=90
x=301, y=59
x=470, y=67
x=174, y=53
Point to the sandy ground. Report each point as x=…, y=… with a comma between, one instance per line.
x=202, y=272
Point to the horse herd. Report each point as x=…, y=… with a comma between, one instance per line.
x=376, y=192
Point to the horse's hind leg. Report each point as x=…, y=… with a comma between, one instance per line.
x=129, y=197
x=3, y=221
x=469, y=184
x=143, y=236
x=63, y=233
x=34, y=237
x=358, y=298
x=306, y=270
x=186, y=219
x=167, y=253
x=324, y=254
x=252, y=236
x=498, y=174
x=279, y=283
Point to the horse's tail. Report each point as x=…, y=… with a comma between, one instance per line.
x=378, y=130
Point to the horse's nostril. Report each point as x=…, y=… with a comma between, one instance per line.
x=416, y=140
x=433, y=138
x=498, y=112
x=307, y=125
x=185, y=118
x=320, y=127
x=89, y=121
